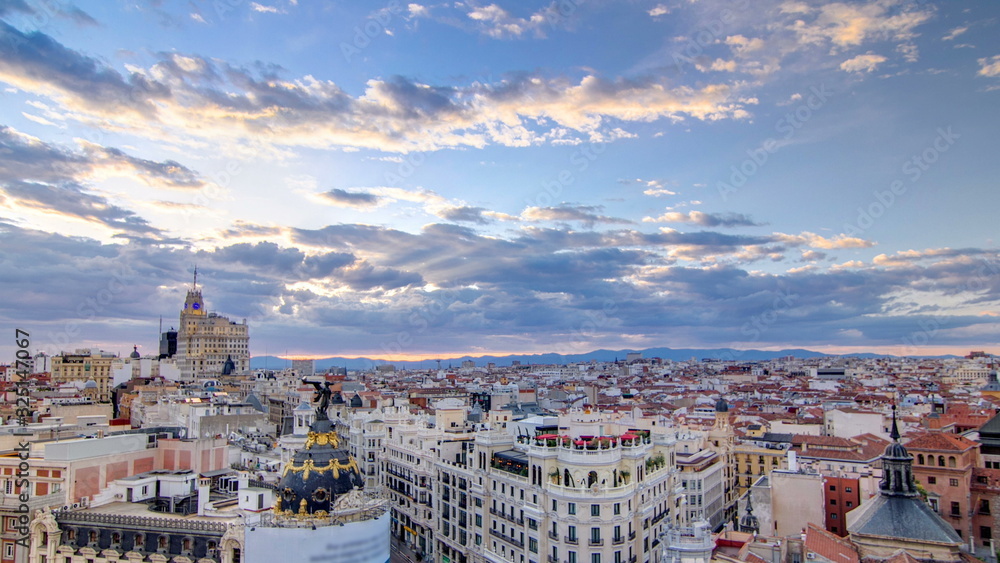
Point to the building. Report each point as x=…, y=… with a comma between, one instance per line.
x=584, y=489
x=321, y=505
x=206, y=341
x=87, y=370
x=840, y=496
x=897, y=519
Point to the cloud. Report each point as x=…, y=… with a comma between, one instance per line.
x=989, y=66
x=659, y=10
x=344, y=198
x=867, y=63
x=705, y=219
x=39, y=177
x=260, y=8
x=849, y=25
x=586, y=214
x=465, y=214
x=955, y=32
x=185, y=97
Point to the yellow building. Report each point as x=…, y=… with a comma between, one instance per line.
x=753, y=461
x=83, y=366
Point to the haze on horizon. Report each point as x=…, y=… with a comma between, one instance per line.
x=403, y=180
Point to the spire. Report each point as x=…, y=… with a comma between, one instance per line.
x=894, y=434
x=194, y=286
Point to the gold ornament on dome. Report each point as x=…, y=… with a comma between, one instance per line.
x=334, y=465
x=322, y=439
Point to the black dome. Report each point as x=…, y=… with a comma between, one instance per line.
x=721, y=405
x=317, y=475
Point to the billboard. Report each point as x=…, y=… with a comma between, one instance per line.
x=357, y=542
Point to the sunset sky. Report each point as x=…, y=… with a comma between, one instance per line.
x=399, y=179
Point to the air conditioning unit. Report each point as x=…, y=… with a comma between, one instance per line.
x=76, y=505
x=810, y=555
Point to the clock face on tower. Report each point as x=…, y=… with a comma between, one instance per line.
x=196, y=306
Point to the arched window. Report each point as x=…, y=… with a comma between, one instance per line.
x=162, y=542
x=92, y=536
x=940, y=461
x=140, y=542
x=591, y=478
x=951, y=461
x=920, y=459
x=567, y=480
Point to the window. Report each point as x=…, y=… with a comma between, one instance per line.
x=618, y=508
x=533, y=545
x=572, y=557
x=595, y=510
x=555, y=505
x=595, y=558
x=8, y=550
x=848, y=490
x=986, y=534
x=833, y=487
x=572, y=508
x=595, y=535
x=953, y=482
x=984, y=506
x=932, y=480
x=850, y=504
x=833, y=502
x=833, y=516
x=572, y=533
x=956, y=508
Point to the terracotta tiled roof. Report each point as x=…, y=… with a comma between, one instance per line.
x=830, y=546
x=940, y=441
x=752, y=557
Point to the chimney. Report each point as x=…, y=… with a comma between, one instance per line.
x=793, y=463
x=204, y=484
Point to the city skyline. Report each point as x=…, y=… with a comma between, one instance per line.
x=424, y=180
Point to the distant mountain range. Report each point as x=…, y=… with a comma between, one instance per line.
x=273, y=362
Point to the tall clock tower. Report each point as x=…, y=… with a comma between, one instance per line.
x=206, y=340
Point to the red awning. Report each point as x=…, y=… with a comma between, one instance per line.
x=629, y=436
x=547, y=437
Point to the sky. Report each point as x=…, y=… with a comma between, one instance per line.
x=418, y=180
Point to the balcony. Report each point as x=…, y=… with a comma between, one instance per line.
x=507, y=517
x=508, y=539
x=618, y=540
x=552, y=559
x=571, y=540
x=631, y=535
x=553, y=535
x=596, y=542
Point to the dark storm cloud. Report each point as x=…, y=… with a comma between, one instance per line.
x=464, y=214
x=341, y=197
